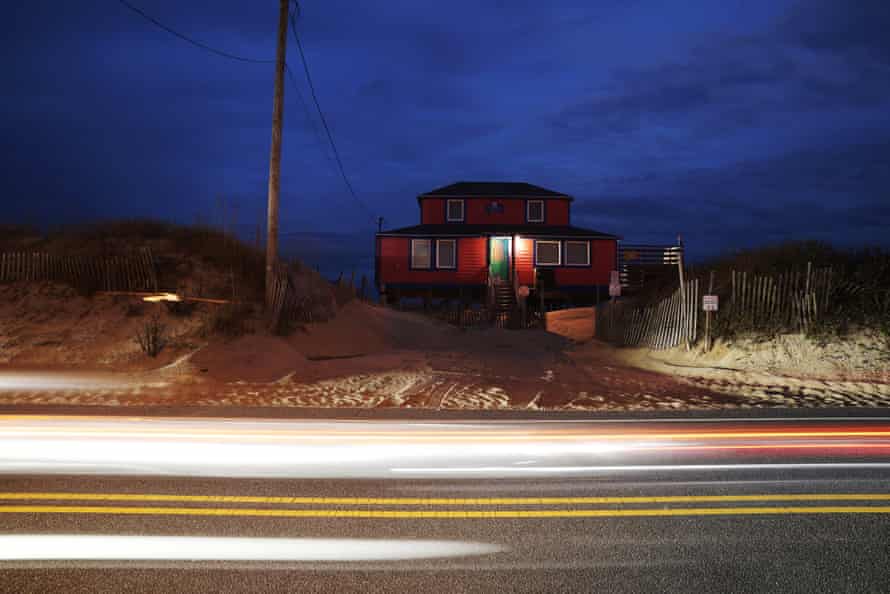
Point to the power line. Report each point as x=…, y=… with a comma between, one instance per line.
x=292, y=77
x=306, y=112
x=323, y=120
x=194, y=42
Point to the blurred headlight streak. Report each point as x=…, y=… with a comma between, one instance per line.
x=43, y=547
x=380, y=449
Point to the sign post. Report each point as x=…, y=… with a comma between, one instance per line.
x=614, y=291
x=709, y=303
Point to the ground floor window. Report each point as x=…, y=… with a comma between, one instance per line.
x=577, y=253
x=547, y=253
x=446, y=253
x=421, y=253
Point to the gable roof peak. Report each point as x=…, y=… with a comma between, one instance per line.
x=489, y=189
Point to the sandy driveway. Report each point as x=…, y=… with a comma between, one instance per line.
x=493, y=369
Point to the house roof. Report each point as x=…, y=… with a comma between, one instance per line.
x=494, y=190
x=530, y=230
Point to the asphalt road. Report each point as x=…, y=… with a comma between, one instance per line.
x=723, y=505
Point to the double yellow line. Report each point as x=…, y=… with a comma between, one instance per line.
x=491, y=506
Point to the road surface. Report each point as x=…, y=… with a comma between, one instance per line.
x=99, y=503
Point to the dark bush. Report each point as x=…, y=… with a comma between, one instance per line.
x=151, y=338
x=229, y=320
x=859, y=295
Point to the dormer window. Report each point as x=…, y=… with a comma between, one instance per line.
x=534, y=211
x=454, y=211
x=495, y=207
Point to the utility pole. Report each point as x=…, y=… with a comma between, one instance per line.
x=275, y=157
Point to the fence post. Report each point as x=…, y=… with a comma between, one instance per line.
x=682, y=286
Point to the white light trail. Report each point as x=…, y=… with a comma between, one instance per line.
x=96, y=547
x=252, y=448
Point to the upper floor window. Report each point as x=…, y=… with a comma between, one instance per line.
x=534, y=211
x=421, y=254
x=446, y=253
x=547, y=253
x=577, y=253
x=454, y=211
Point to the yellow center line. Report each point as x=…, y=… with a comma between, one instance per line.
x=439, y=501
x=442, y=514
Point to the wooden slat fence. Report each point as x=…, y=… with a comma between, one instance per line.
x=134, y=272
x=288, y=306
x=285, y=305
x=668, y=323
x=791, y=301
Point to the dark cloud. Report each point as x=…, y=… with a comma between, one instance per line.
x=659, y=117
x=858, y=28
x=838, y=194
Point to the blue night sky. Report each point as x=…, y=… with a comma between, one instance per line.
x=735, y=123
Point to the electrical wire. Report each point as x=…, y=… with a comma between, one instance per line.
x=306, y=112
x=231, y=56
x=323, y=120
x=188, y=39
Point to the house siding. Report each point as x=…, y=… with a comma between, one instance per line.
x=556, y=212
x=432, y=211
x=602, y=262
x=477, y=212
x=394, y=266
x=525, y=265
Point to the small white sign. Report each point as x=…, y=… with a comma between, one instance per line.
x=523, y=291
x=614, y=290
x=615, y=278
x=710, y=302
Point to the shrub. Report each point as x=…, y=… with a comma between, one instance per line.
x=229, y=320
x=859, y=294
x=151, y=337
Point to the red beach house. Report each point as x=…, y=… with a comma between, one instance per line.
x=475, y=238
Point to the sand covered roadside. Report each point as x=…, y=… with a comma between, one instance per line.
x=49, y=325
x=371, y=356
x=788, y=370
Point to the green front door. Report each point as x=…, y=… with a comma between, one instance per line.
x=499, y=268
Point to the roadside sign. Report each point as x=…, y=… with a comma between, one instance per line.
x=710, y=302
x=615, y=278
x=614, y=290
x=523, y=291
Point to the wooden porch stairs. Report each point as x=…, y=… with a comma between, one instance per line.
x=504, y=298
